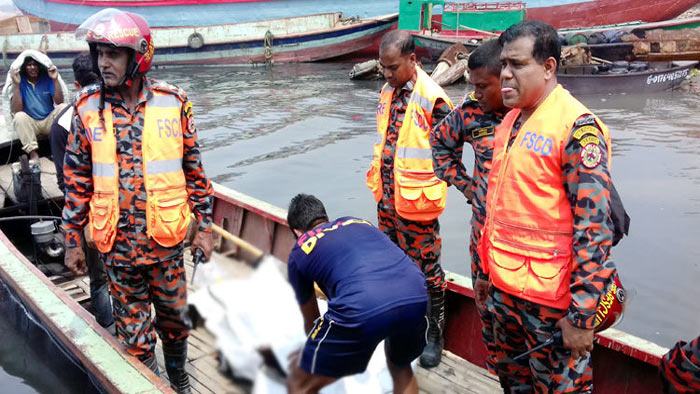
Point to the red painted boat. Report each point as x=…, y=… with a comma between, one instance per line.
x=571, y=14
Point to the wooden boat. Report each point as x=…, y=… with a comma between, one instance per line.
x=436, y=43
x=66, y=15
x=624, y=364
x=289, y=40
x=586, y=79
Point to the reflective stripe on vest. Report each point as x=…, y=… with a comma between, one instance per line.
x=167, y=210
x=419, y=194
x=529, y=231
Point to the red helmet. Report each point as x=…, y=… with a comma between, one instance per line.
x=612, y=305
x=121, y=29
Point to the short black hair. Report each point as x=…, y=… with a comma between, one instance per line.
x=305, y=210
x=546, y=44
x=399, y=39
x=23, y=69
x=83, y=71
x=487, y=55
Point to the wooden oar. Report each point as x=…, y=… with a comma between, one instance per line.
x=241, y=243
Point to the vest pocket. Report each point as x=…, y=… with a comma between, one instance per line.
x=522, y=274
x=418, y=198
x=103, y=220
x=169, y=216
x=373, y=182
x=550, y=279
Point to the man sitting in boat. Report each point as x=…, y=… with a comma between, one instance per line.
x=409, y=197
x=474, y=122
x=133, y=162
x=549, y=228
x=99, y=285
x=37, y=97
x=375, y=292
x=680, y=368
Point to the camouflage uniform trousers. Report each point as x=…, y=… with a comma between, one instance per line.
x=134, y=288
x=477, y=226
x=519, y=325
x=680, y=368
x=419, y=240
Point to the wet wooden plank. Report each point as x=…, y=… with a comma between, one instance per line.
x=456, y=375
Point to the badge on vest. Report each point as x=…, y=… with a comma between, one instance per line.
x=483, y=132
x=591, y=155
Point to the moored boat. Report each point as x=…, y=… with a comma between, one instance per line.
x=66, y=15
x=436, y=43
x=629, y=78
x=289, y=40
x=559, y=13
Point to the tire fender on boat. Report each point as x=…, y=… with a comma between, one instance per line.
x=195, y=41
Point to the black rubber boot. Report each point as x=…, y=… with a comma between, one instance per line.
x=152, y=364
x=175, y=354
x=436, y=324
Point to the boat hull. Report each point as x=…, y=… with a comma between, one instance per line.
x=299, y=39
x=638, y=82
x=66, y=15
x=604, y=12
x=63, y=327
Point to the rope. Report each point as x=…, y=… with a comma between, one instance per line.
x=268, y=41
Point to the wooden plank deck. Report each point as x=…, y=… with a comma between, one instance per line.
x=454, y=375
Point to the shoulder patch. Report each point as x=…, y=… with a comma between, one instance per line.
x=187, y=111
x=168, y=88
x=590, y=139
x=591, y=155
x=585, y=120
x=586, y=130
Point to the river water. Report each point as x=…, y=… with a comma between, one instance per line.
x=274, y=132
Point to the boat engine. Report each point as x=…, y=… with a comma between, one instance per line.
x=48, y=242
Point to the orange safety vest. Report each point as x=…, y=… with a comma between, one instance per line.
x=167, y=209
x=419, y=194
x=528, y=239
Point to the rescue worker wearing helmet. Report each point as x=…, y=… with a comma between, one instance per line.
x=549, y=225
x=133, y=166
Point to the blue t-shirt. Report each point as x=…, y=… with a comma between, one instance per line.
x=37, y=100
x=357, y=266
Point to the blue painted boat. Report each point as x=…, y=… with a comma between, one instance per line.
x=286, y=40
x=65, y=15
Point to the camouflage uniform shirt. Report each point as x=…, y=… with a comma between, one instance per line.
x=132, y=246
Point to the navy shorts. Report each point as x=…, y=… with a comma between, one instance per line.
x=335, y=350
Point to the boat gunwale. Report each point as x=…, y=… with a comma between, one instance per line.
x=101, y=374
